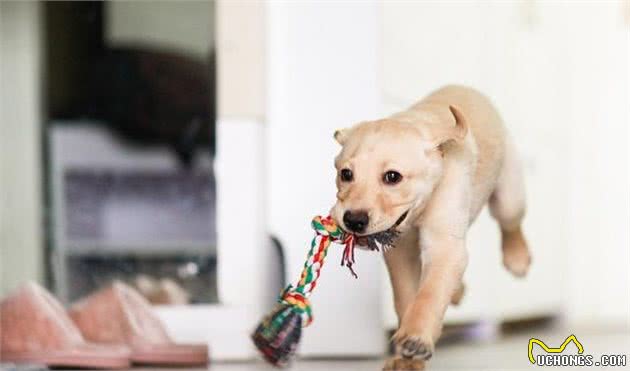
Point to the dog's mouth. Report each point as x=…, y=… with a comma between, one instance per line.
x=376, y=241
x=384, y=239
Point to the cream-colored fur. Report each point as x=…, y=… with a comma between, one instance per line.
x=454, y=156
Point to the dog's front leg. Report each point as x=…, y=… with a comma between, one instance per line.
x=442, y=243
x=421, y=325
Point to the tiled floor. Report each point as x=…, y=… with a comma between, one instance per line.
x=506, y=354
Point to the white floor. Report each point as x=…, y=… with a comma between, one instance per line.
x=505, y=353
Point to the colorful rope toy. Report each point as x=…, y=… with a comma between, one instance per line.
x=278, y=335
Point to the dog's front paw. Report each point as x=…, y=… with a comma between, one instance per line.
x=412, y=346
x=399, y=363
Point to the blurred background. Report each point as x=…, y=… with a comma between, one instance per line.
x=183, y=147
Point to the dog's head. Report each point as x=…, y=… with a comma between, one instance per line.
x=387, y=169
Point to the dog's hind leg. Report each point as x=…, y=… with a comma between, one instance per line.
x=459, y=294
x=507, y=206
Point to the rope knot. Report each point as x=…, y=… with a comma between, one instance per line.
x=300, y=302
x=327, y=227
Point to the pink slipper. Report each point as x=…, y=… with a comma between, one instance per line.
x=35, y=328
x=118, y=314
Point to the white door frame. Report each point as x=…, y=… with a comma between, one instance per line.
x=322, y=74
x=243, y=260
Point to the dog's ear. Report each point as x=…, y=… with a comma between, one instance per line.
x=455, y=133
x=341, y=135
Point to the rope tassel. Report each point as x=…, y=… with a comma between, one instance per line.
x=278, y=335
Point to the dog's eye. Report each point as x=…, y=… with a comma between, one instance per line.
x=392, y=177
x=346, y=175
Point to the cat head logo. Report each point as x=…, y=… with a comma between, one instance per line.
x=547, y=349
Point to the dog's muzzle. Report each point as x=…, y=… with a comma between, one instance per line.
x=384, y=239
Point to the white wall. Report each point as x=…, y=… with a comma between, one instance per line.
x=21, y=244
x=597, y=36
x=558, y=72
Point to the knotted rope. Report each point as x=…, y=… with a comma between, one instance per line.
x=278, y=334
x=326, y=232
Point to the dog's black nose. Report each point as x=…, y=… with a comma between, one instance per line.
x=356, y=221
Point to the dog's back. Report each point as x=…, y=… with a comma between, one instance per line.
x=486, y=130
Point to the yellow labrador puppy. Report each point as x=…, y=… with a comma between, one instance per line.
x=423, y=175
